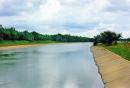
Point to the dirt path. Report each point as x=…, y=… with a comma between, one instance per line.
x=115, y=70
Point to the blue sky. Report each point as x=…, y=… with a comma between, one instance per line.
x=77, y=17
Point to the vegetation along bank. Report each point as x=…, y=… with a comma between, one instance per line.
x=11, y=34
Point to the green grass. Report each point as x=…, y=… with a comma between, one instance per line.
x=120, y=49
x=12, y=43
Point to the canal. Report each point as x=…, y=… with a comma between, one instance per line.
x=69, y=65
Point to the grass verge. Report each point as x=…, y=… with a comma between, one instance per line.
x=121, y=49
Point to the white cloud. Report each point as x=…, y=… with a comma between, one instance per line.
x=50, y=7
x=63, y=16
x=29, y=3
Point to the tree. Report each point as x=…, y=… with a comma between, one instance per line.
x=107, y=37
x=96, y=40
x=1, y=32
x=13, y=34
x=36, y=35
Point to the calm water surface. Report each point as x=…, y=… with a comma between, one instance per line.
x=49, y=66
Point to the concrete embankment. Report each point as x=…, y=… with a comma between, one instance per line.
x=115, y=70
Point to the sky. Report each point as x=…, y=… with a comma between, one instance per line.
x=76, y=17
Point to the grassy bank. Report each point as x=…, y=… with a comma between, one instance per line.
x=120, y=49
x=13, y=43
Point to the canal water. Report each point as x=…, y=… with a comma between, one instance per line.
x=69, y=65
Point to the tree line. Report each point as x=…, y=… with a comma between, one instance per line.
x=12, y=34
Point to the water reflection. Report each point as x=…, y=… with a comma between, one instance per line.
x=50, y=66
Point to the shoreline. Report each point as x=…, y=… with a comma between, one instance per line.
x=19, y=46
x=28, y=45
x=114, y=70
x=97, y=66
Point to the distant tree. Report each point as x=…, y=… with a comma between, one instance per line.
x=96, y=40
x=13, y=34
x=1, y=32
x=107, y=37
x=1, y=26
x=36, y=35
x=128, y=39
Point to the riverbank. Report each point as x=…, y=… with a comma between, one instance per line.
x=4, y=45
x=115, y=70
x=122, y=49
x=18, y=46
